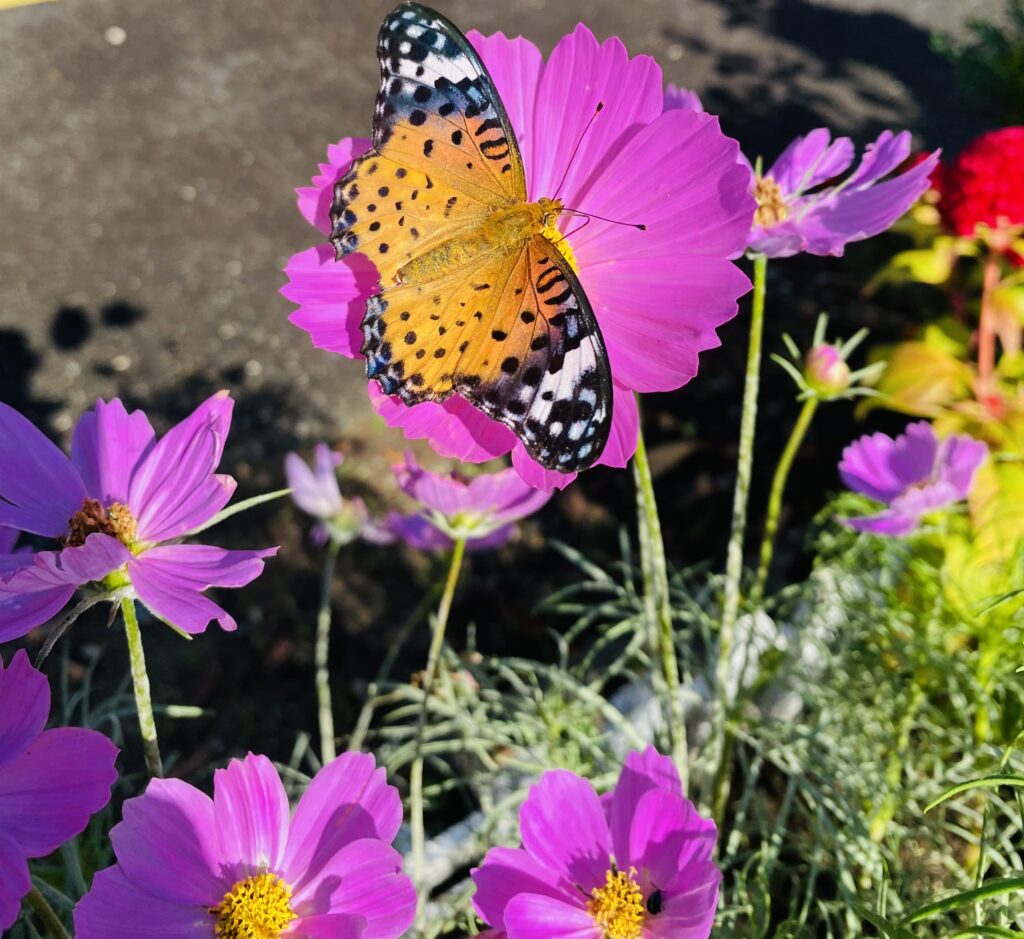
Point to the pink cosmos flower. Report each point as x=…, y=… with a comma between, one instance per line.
x=914, y=474
x=482, y=510
x=635, y=864
x=802, y=208
x=191, y=867
x=315, y=490
x=658, y=295
x=51, y=781
x=118, y=507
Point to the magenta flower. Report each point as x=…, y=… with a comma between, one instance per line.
x=483, y=510
x=633, y=865
x=315, y=490
x=658, y=295
x=51, y=781
x=118, y=508
x=802, y=208
x=914, y=474
x=236, y=865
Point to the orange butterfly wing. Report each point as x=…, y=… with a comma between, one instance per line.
x=508, y=326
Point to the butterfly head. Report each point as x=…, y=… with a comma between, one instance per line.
x=550, y=209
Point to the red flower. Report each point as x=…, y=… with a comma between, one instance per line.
x=985, y=184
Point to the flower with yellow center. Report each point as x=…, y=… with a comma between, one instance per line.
x=618, y=906
x=258, y=907
x=771, y=204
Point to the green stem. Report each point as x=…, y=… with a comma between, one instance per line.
x=416, y=773
x=47, y=914
x=734, y=560
x=140, y=684
x=320, y=655
x=657, y=604
x=771, y=525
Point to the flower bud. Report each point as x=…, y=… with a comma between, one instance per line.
x=825, y=372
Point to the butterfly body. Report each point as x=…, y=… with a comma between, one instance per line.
x=478, y=293
x=505, y=230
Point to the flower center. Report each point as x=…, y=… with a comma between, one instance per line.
x=258, y=907
x=92, y=517
x=771, y=206
x=618, y=906
x=559, y=240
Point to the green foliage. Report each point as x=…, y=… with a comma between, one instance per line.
x=992, y=64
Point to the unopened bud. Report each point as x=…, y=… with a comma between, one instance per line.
x=825, y=371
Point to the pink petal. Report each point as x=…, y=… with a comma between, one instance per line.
x=866, y=467
x=811, y=160
x=531, y=916
x=170, y=580
x=688, y=905
x=20, y=613
x=364, y=878
x=348, y=800
x=250, y=813
x=679, y=176
x=15, y=881
x=579, y=74
x=504, y=874
x=39, y=488
x=655, y=335
x=455, y=428
x=315, y=201
x=641, y=772
x=564, y=828
x=328, y=926
x=116, y=909
x=107, y=445
x=667, y=836
x=166, y=844
x=70, y=567
x=24, y=706
x=174, y=488
x=533, y=474
x=331, y=296
x=41, y=802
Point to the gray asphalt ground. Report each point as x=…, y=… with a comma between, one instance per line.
x=148, y=153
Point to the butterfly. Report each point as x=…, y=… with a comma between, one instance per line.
x=475, y=296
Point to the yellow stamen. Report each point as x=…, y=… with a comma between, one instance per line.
x=618, y=906
x=258, y=907
x=559, y=240
x=771, y=206
x=92, y=517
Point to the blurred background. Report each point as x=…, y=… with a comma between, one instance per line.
x=148, y=157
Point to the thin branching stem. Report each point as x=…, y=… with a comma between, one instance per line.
x=771, y=525
x=46, y=914
x=416, y=771
x=734, y=558
x=657, y=606
x=325, y=706
x=140, y=685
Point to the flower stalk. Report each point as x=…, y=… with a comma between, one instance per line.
x=987, y=323
x=46, y=914
x=140, y=685
x=657, y=604
x=416, y=772
x=771, y=527
x=325, y=706
x=734, y=558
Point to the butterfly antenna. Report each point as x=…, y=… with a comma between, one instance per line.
x=576, y=149
x=601, y=218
